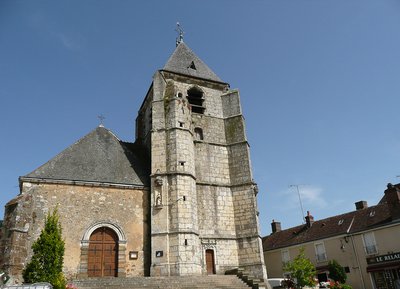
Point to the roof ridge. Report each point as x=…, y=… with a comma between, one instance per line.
x=333, y=217
x=351, y=222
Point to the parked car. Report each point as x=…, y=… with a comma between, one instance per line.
x=324, y=284
x=42, y=285
x=276, y=282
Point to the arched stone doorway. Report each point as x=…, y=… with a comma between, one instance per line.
x=103, y=249
x=103, y=253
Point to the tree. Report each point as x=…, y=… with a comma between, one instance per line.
x=337, y=272
x=48, y=255
x=302, y=271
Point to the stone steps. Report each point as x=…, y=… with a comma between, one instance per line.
x=173, y=282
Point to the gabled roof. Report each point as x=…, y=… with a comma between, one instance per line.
x=185, y=61
x=97, y=157
x=348, y=223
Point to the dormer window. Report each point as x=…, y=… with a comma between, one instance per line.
x=192, y=66
x=196, y=99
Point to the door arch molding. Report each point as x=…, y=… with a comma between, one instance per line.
x=83, y=265
x=117, y=229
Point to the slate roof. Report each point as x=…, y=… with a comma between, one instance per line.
x=184, y=61
x=97, y=157
x=347, y=223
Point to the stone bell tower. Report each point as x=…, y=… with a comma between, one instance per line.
x=203, y=197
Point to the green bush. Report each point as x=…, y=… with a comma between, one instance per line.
x=336, y=272
x=48, y=255
x=302, y=270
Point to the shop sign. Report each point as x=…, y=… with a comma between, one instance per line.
x=384, y=258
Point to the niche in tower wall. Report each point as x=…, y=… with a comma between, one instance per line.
x=158, y=184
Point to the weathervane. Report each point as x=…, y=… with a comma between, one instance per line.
x=179, y=29
x=101, y=118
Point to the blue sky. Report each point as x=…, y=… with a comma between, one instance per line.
x=319, y=83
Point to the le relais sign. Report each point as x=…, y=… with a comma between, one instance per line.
x=384, y=258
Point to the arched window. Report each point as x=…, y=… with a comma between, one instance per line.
x=196, y=99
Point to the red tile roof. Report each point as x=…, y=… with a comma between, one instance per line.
x=347, y=223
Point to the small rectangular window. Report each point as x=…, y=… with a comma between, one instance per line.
x=320, y=252
x=370, y=243
x=285, y=256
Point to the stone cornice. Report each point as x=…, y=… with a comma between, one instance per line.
x=81, y=183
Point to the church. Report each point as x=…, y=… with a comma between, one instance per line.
x=179, y=201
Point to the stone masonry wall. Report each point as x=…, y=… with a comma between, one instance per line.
x=216, y=216
x=13, y=244
x=80, y=207
x=213, y=128
x=239, y=164
x=212, y=98
x=226, y=255
x=205, y=158
x=212, y=164
x=231, y=103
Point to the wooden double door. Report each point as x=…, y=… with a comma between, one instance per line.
x=103, y=253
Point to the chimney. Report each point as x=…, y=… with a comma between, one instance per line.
x=309, y=219
x=392, y=196
x=276, y=226
x=361, y=205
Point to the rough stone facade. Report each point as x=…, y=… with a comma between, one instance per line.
x=82, y=209
x=203, y=194
x=189, y=209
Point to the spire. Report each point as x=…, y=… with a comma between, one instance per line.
x=180, y=31
x=185, y=61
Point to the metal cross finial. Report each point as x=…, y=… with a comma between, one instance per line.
x=179, y=29
x=101, y=118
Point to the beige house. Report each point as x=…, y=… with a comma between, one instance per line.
x=366, y=242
